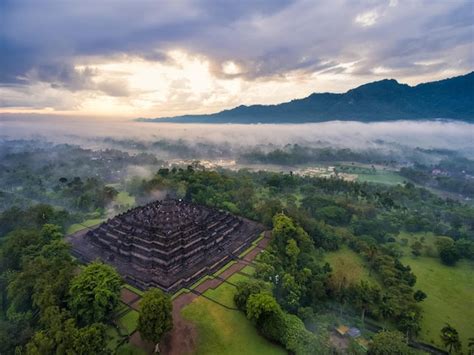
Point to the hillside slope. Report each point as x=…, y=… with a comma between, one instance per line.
x=384, y=100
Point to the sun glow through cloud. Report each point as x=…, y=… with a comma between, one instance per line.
x=192, y=57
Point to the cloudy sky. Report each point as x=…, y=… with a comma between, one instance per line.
x=163, y=58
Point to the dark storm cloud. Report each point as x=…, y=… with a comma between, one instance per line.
x=42, y=41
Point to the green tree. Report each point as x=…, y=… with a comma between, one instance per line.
x=91, y=340
x=60, y=335
x=285, y=229
x=409, y=320
x=389, y=343
x=298, y=340
x=419, y=296
x=260, y=306
x=155, y=315
x=450, y=338
x=247, y=288
x=23, y=244
x=94, y=293
x=470, y=345
x=416, y=248
x=365, y=296
x=265, y=312
x=291, y=292
x=292, y=252
x=18, y=244
x=43, y=281
x=447, y=250
x=387, y=309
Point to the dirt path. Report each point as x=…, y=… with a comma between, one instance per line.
x=128, y=297
x=182, y=339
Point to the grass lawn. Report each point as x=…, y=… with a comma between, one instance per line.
x=121, y=307
x=351, y=262
x=223, y=331
x=113, y=338
x=381, y=177
x=128, y=322
x=450, y=298
x=73, y=228
x=223, y=293
x=125, y=199
x=237, y=277
x=249, y=269
x=129, y=349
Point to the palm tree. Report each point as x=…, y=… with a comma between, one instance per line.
x=470, y=346
x=386, y=310
x=450, y=338
x=371, y=253
x=365, y=296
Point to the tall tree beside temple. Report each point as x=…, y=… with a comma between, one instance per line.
x=155, y=315
x=95, y=293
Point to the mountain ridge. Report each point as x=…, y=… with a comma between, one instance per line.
x=383, y=100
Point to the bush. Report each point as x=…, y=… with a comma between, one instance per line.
x=261, y=306
x=389, y=343
x=273, y=327
x=447, y=250
x=247, y=288
x=297, y=339
x=287, y=329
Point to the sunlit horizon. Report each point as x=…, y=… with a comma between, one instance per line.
x=198, y=58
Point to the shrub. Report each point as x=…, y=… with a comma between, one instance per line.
x=247, y=288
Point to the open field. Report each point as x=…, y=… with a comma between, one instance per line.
x=113, y=338
x=366, y=173
x=129, y=349
x=118, y=344
x=381, y=177
x=450, y=290
x=351, y=262
x=225, y=331
x=129, y=321
x=450, y=298
x=249, y=270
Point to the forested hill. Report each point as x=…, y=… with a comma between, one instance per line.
x=384, y=100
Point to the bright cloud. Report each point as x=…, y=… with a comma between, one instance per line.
x=82, y=57
x=367, y=19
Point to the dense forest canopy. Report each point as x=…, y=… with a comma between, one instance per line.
x=52, y=187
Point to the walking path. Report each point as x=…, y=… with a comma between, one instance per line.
x=182, y=339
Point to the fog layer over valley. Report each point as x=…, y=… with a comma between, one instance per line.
x=226, y=141
x=435, y=154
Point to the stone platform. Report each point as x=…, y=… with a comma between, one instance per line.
x=167, y=244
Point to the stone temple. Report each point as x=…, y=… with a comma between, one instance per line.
x=167, y=244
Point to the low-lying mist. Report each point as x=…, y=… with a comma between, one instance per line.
x=226, y=140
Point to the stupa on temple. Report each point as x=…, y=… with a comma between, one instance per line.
x=167, y=244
